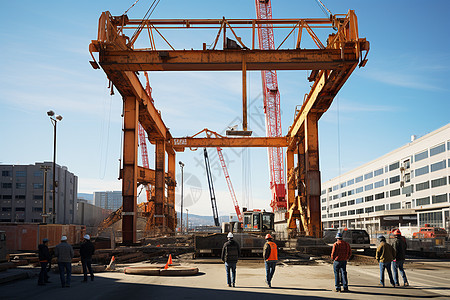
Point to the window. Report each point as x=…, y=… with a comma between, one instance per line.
x=38, y=197
x=20, y=196
x=37, y=174
x=438, y=149
x=423, y=201
x=379, y=207
x=422, y=186
x=330, y=198
x=335, y=187
x=6, y=173
x=394, y=193
x=438, y=182
x=351, y=212
x=369, y=209
x=407, y=177
x=20, y=185
x=368, y=187
x=351, y=181
x=20, y=208
x=336, y=215
x=395, y=205
x=351, y=202
x=343, y=213
x=38, y=185
x=324, y=216
x=394, y=179
x=330, y=215
x=335, y=197
x=21, y=173
x=360, y=211
x=343, y=204
x=330, y=190
x=407, y=164
x=379, y=196
x=324, y=200
x=422, y=171
x=37, y=209
x=344, y=184
x=421, y=155
x=368, y=175
x=378, y=172
x=359, y=190
x=379, y=183
x=6, y=208
x=359, y=179
x=7, y=185
x=324, y=208
x=336, y=205
x=408, y=190
x=351, y=192
x=7, y=197
x=394, y=166
x=368, y=198
x=343, y=194
x=323, y=192
x=438, y=166
x=439, y=198
x=359, y=200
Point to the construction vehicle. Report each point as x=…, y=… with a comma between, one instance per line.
x=428, y=232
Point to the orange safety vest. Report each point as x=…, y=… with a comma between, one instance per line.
x=273, y=251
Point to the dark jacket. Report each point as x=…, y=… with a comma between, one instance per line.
x=231, y=251
x=400, y=248
x=385, y=253
x=44, y=254
x=87, y=249
x=64, y=252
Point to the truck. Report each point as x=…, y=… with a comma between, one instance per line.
x=430, y=232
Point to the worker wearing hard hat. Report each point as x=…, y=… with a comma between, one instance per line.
x=385, y=254
x=44, y=259
x=64, y=253
x=400, y=253
x=270, y=254
x=340, y=253
x=86, y=251
x=230, y=255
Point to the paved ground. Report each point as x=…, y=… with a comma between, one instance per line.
x=430, y=279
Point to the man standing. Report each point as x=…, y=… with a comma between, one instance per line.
x=340, y=254
x=385, y=254
x=400, y=253
x=44, y=259
x=86, y=251
x=270, y=254
x=64, y=253
x=230, y=254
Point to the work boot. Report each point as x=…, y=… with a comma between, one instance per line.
x=234, y=284
x=406, y=284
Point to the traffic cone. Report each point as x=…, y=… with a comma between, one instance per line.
x=169, y=262
x=112, y=264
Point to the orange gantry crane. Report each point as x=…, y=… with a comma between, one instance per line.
x=331, y=64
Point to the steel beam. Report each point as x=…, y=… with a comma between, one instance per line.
x=160, y=205
x=172, y=217
x=179, y=144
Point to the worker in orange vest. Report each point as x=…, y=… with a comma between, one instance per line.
x=270, y=253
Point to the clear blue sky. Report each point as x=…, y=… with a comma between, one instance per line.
x=403, y=90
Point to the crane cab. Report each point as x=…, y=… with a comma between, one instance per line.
x=258, y=221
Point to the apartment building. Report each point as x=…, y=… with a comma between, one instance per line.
x=108, y=200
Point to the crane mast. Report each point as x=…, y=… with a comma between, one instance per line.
x=272, y=111
x=211, y=188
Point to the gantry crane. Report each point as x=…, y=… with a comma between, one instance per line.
x=272, y=111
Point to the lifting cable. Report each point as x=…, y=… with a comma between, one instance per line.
x=324, y=8
x=104, y=145
x=146, y=17
x=131, y=7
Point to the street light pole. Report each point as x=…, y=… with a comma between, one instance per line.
x=54, y=120
x=182, y=183
x=187, y=221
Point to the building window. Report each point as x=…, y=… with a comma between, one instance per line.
x=6, y=173
x=438, y=182
x=336, y=215
x=330, y=190
x=21, y=173
x=423, y=186
x=368, y=198
x=395, y=205
x=407, y=164
x=432, y=218
x=20, y=185
x=324, y=216
x=38, y=185
x=422, y=171
x=378, y=172
x=343, y=185
x=38, y=197
x=407, y=177
x=7, y=196
x=379, y=207
x=359, y=200
x=335, y=187
x=323, y=192
x=343, y=194
x=6, y=208
x=360, y=211
x=394, y=166
x=343, y=213
x=343, y=204
x=37, y=174
x=394, y=179
x=359, y=190
x=20, y=208
x=368, y=175
x=330, y=198
x=335, y=197
x=324, y=208
x=369, y=209
x=351, y=192
x=394, y=193
x=351, y=202
x=336, y=205
x=379, y=183
x=379, y=196
x=439, y=198
x=7, y=185
x=359, y=179
x=351, y=181
x=368, y=187
x=423, y=201
x=438, y=166
x=438, y=149
x=20, y=197
x=421, y=155
x=408, y=190
x=37, y=209
x=351, y=212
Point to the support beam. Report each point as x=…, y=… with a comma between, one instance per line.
x=179, y=144
x=160, y=205
x=129, y=188
x=244, y=94
x=172, y=216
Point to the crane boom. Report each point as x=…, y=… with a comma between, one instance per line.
x=211, y=188
x=230, y=185
x=272, y=110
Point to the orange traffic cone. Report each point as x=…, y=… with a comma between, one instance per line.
x=112, y=264
x=169, y=262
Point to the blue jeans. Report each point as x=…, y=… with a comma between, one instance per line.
x=230, y=266
x=340, y=274
x=387, y=266
x=270, y=269
x=68, y=267
x=43, y=277
x=398, y=265
x=87, y=265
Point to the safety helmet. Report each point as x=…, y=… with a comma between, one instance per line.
x=397, y=232
x=45, y=240
x=268, y=236
x=87, y=237
x=230, y=235
x=339, y=235
x=381, y=238
x=64, y=238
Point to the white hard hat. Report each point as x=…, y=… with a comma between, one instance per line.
x=230, y=235
x=64, y=238
x=87, y=237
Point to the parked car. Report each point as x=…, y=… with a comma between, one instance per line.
x=357, y=238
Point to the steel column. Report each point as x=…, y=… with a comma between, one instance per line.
x=160, y=164
x=171, y=166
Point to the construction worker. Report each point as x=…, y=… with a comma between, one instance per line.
x=86, y=251
x=64, y=253
x=270, y=254
x=44, y=260
x=230, y=255
x=385, y=254
x=400, y=253
x=340, y=253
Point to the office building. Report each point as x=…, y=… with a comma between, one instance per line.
x=108, y=200
x=408, y=186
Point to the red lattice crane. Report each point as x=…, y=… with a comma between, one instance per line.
x=272, y=111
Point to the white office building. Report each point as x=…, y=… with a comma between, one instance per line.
x=408, y=186
x=108, y=200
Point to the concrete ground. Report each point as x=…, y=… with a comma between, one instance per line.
x=428, y=279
